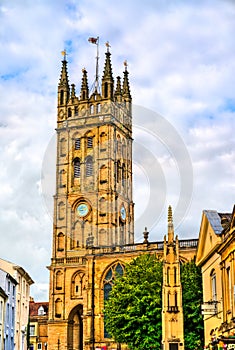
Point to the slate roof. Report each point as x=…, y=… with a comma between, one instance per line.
x=215, y=219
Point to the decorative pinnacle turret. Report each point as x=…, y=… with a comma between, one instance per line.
x=170, y=226
x=108, y=74
x=64, y=80
x=126, y=87
x=84, y=86
x=118, y=91
x=170, y=219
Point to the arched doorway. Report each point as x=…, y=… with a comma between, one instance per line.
x=75, y=329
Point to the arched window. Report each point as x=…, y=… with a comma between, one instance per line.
x=102, y=206
x=175, y=275
x=60, y=242
x=98, y=108
x=69, y=112
x=58, y=280
x=168, y=276
x=89, y=166
x=103, y=174
x=77, y=167
x=118, y=171
x=76, y=110
x=123, y=174
x=61, y=210
x=213, y=285
x=109, y=279
x=58, y=308
x=62, y=147
x=78, y=284
x=62, y=178
x=92, y=109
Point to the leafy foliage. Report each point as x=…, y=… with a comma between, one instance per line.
x=133, y=309
x=192, y=298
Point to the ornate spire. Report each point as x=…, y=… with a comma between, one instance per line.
x=107, y=79
x=126, y=86
x=170, y=226
x=84, y=87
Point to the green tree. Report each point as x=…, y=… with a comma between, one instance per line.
x=191, y=280
x=133, y=309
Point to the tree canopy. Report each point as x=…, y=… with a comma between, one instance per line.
x=133, y=309
x=191, y=281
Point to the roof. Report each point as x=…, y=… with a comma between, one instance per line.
x=214, y=219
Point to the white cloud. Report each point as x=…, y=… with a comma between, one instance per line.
x=181, y=60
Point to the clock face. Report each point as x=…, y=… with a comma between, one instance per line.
x=82, y=209
x=123, y=213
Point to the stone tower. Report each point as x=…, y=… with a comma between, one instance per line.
x=172, y=310
x=93, y=202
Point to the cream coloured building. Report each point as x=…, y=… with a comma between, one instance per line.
x=216, y=257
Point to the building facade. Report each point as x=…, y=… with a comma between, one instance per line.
x=216, y=257
x=21, y=303
x=7, y=312
x=93, y=229
x=38, y=320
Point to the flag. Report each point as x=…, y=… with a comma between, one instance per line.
x=93, y=40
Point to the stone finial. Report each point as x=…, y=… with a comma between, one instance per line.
x=146, y=235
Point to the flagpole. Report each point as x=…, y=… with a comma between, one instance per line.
x=97, y=66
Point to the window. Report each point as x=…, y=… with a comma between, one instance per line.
x=77, y=167
x=89, y=142
x=69, y=112
x=98, y=109
x=229, y=289
x=213, y=285
x=31, y=330
x=77, y=143
x=39, y=346
x=91, y=109
x=89, y=166
x=76, y=110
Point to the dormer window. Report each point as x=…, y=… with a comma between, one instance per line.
x=41, y=311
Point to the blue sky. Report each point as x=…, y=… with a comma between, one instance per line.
x=181, y=59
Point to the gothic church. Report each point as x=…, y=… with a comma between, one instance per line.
x=93, y=230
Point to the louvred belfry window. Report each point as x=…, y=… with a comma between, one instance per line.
x=77, y=167
x=77, y=143
x=89, y=166
x=89, y=142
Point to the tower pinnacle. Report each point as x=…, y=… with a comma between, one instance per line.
x=107, y=80
x=170, y=226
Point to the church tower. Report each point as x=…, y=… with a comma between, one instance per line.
x=93, y=205
x=172, y=310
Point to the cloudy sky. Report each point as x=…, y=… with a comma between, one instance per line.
x=181, y=59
